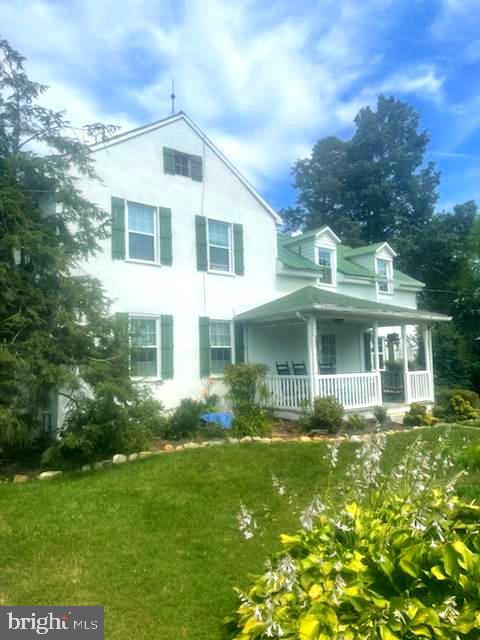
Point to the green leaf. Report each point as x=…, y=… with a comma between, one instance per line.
x=309, y=627
x=437, y=573
x=387, y=634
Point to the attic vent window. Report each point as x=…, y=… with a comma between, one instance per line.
x=184, y=164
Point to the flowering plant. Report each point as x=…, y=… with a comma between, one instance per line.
x=398, y=557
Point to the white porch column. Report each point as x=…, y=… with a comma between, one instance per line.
x=427, y=338
x=312, y=357
x=406, y=378
x=376, y=362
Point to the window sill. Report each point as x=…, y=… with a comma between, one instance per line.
x=147, y=263
x=136, y=380
x=229, y=274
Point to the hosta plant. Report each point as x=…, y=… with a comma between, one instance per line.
x=397, y=557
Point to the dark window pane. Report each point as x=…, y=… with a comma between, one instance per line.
x=141, y=247
x=143, y=362
x=181, y=164
x=219, y=359
x=219, y=259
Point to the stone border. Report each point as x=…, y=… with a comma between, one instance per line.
x=120, y=458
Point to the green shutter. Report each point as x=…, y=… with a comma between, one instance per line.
x=196, y=167
x=238, y=249
x=201, y=237
x=118, y=228
x=166, y=338
x=168, y=160
x=204, y=341
x=165, y=236
x=367, y=346
x=121, y=332
x=239, y=342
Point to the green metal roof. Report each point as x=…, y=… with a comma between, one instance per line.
x=304, y=236
x=364, y=250
x=293, y=260
x=312, y=298
x=345, y=265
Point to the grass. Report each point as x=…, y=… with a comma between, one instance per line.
x=156, y=542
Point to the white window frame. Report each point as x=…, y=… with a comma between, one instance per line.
x=156, y=248
x=333, y=264
x=143, y=316
x=230, y=271
x=321, y=352
x=231, y=346
x=389, y=280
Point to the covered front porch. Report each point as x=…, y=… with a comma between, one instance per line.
x=330, y=345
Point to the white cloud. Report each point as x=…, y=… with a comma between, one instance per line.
x=265, y=80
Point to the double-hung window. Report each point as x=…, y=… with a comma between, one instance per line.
x=325, y=262
x=328, y=354
x=219, y=240
x=385, y=273
x=142, y=233
x=145, y=347
x=220, y=345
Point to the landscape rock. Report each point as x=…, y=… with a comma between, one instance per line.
x=133, y=456
x=20, y=479
x=48, y=475
x=168, y=448
x=192, y=445
x=246, y=439
x=145, y=454
x=266, y=440
x=119, y=458
x=233, y=440
x=87, y=467
x=305, y=439
x=179, y=447
x=213, y=443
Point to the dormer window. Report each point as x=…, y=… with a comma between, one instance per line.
x=326, y=263
x=385, y=273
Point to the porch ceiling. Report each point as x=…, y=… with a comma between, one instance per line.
x=314, y=299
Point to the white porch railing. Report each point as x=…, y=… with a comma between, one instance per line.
x=288, y=392
x=420, y=386
x=352, y=390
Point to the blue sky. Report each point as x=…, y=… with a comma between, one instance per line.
x=265, y=79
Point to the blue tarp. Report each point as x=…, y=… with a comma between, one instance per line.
x=222, y=418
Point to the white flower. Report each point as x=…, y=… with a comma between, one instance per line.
x=246, y=522
x=278, y=485
x=314, y=509
x=333, y=453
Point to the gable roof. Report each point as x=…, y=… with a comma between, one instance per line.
x=311, y=298
x=368, y=248
x=147, y=128
x=311, y=234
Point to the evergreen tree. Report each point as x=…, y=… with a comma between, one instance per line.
x=56, y=333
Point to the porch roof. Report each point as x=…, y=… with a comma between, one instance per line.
x=312, y=298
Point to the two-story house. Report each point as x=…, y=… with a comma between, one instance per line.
x=196, y=266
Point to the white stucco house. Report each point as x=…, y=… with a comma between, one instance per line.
x=198, y=269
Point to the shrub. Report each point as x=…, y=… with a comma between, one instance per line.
x=397, y=558
x=381, y=415
x=444, y=396
x=456, y=408
x=356, y=422
x=251, y=421
x=185, y=421
x=246, y=384
x=96, y=428
x=327, y=414
x=417, y=416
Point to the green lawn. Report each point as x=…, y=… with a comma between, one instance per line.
x=156, y=542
